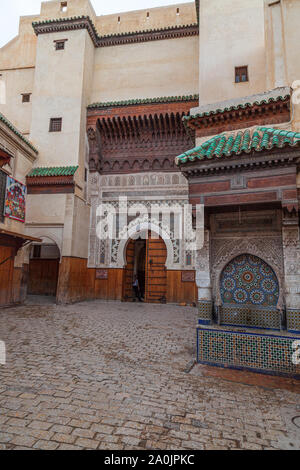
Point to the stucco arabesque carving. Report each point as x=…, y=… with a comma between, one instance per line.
x=134, y=229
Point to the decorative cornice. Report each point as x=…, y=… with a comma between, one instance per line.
x=200, y=120
x=49, y=180
x=134, y=102
x=17, y=133
x=67, y=24
x=198, y=9
x=55, y=171
x=50, y=184
x=137, y=142
x=220, y=147
x=84, y=22
x=265, y=160
x=170, y=32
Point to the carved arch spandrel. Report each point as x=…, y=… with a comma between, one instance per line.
x=267, y=249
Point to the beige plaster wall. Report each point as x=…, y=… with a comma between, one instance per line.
x=50, y=10
x=45, y=208
x=291, y=19
x=80, y=234
x=76, y=222
x=138, y=20
x=61, y=90
x=231, y=35
x=20, y=51
x=282, y=41
x=18, y=81
x=146, y=70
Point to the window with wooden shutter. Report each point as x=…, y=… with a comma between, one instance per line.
x=26, y=97
x=60, y=44
x=55, y=125
x=241, y=74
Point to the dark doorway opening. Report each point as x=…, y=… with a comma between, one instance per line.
x=43, y=270
x=146, y=259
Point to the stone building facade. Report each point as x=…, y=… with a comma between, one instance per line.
x=114, y=104
x=17, y=156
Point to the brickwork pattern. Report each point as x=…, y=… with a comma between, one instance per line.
x=112, y=376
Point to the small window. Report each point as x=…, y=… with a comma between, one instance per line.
x=241, y=74
x=148, y=15
x=119, y=19
x=177, y=11
x=64, y=7
x=55, y=125
x=60, y=44
x=85, y=175
x=26, y=97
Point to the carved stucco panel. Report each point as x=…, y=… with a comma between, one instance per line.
x=203, y=275
x=291, y=251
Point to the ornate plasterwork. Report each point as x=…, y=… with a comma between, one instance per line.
x=143, y=180
x=203, y=274
x=291, y=253
x=139, y=227
x=268, y=248
x=150, y=194
x=112, y=253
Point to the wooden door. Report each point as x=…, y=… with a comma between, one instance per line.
x=6, y=274
x=43, y=276
x=128, y=272
x=156, y=273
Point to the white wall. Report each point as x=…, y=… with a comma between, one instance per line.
x=231, y=35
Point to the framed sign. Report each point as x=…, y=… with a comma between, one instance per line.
x=188, y=276
x=101, y=274
x=15, y=199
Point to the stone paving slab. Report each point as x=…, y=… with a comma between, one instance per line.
x=99, y=375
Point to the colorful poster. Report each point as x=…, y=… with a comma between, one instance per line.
x=15, y=199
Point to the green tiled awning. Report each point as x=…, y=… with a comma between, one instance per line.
x=230, y=144
x=53, y=171
x=237, y=107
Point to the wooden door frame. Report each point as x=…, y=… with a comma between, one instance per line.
x=148, y=266
x=125, y=270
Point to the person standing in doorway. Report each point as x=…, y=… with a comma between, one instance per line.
x=136, y=288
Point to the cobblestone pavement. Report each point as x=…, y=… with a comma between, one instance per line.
x=113, y=376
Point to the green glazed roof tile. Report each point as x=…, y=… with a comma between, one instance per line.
x=112, y=35
x=226, y=145
x=163, y=99
x=53, y=171
x=235, y=108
